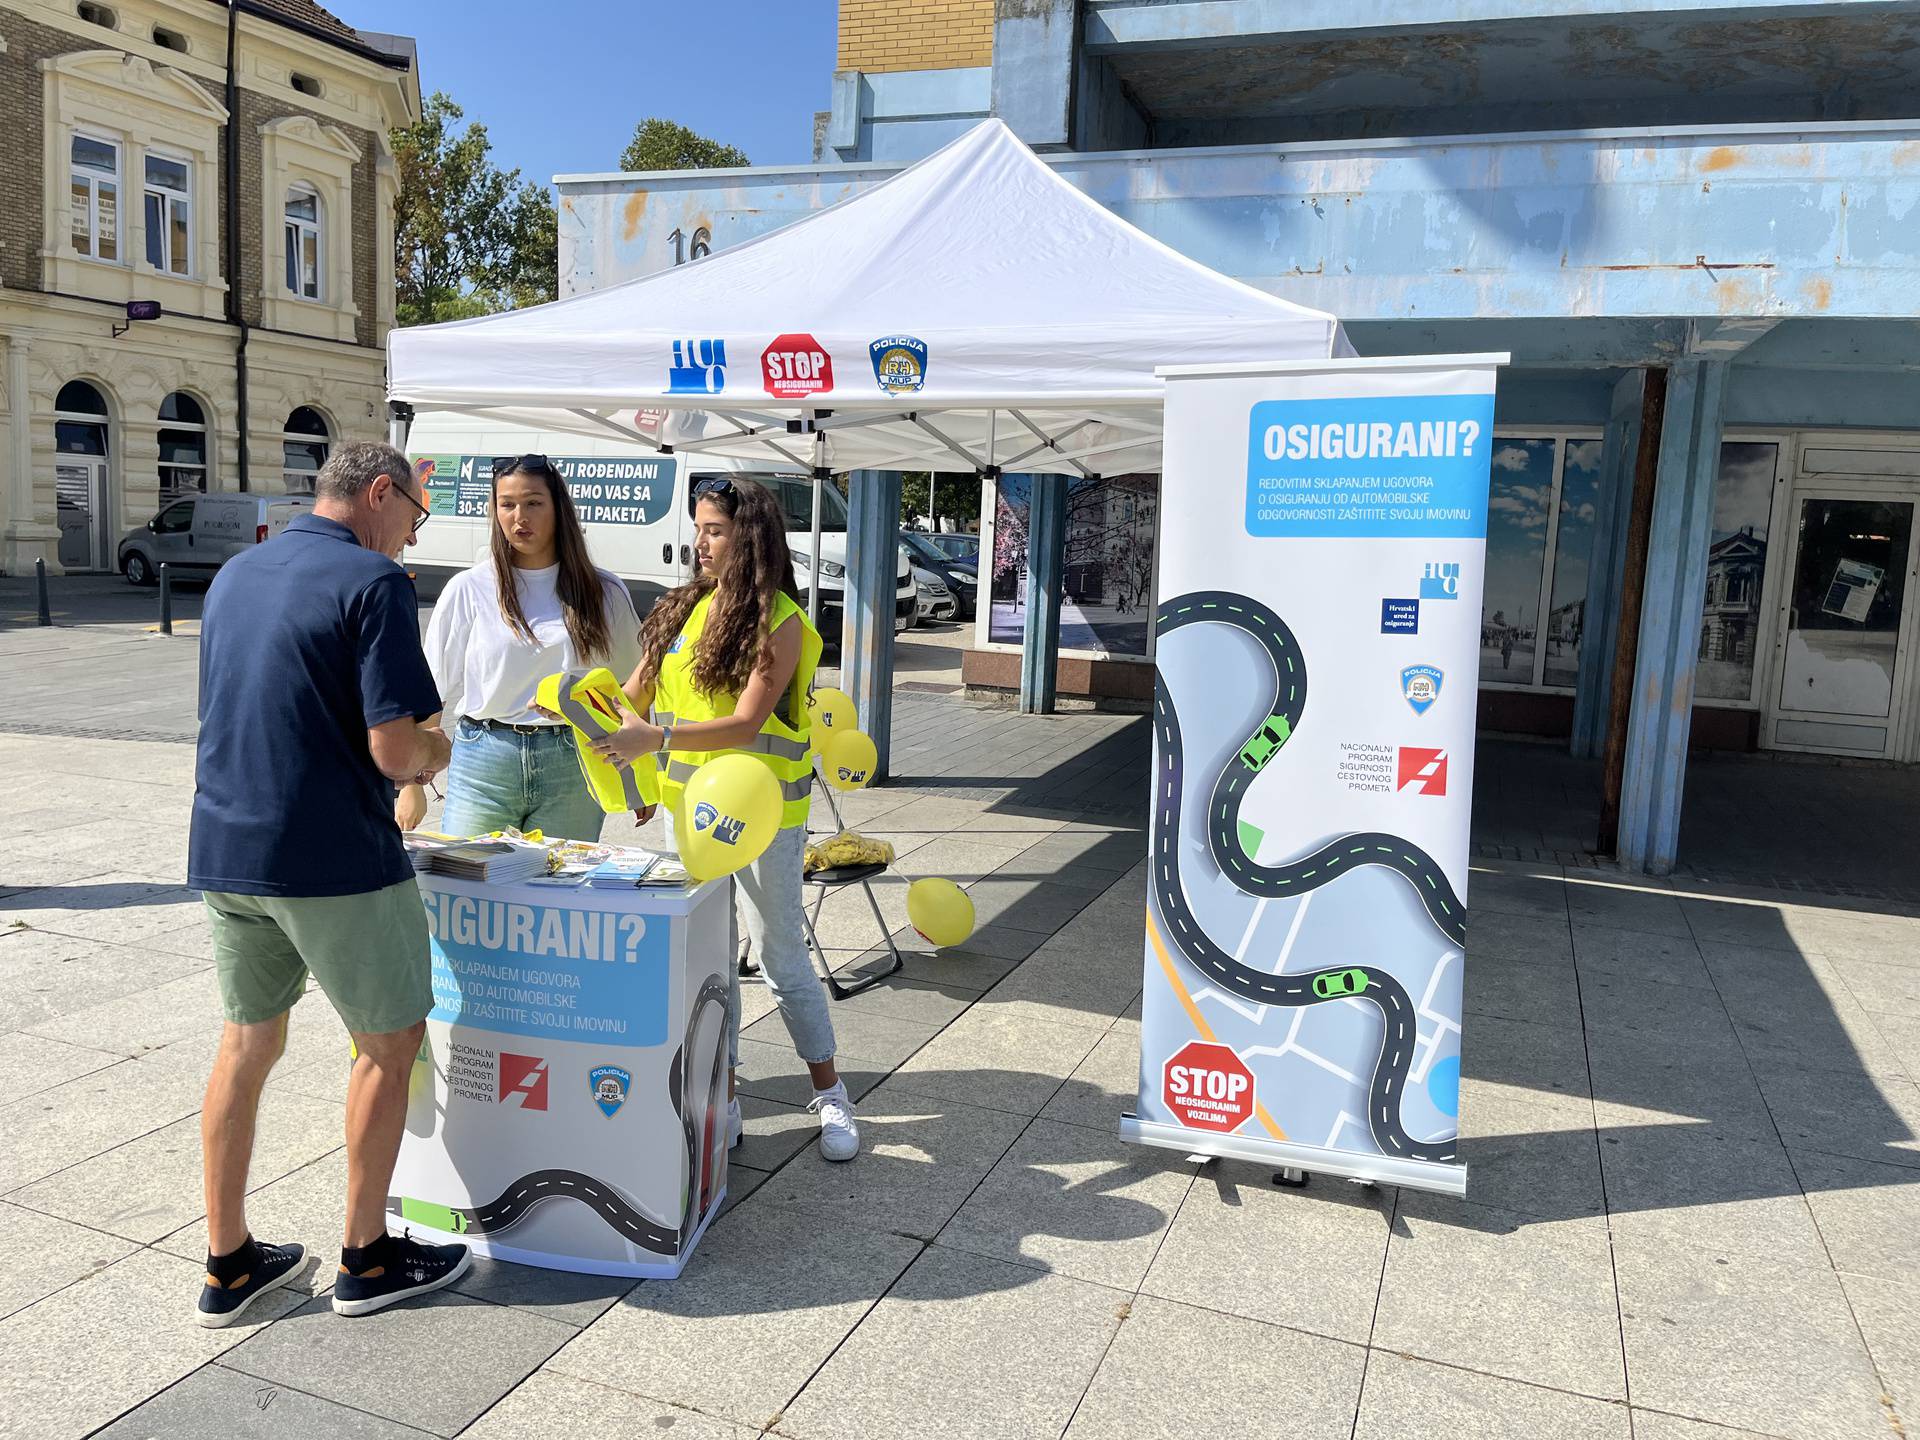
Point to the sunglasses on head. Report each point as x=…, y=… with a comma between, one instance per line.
x=507, y=464
x=712, y=485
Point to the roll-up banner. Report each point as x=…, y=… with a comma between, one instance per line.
x=1323, y=531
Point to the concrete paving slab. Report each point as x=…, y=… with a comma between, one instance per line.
x=765, y=1284
x=1178, y=1370
x=549, y=1405
x=214, y=1400
x=572, y=1299
x=1012, y=1063
x=928, y=1003
x=45, y=1255
x=1531, y=1152
x=1032, y=905
x=1102, y=1086
x=1077, y=850
x=1737, y=922
x=56, y=1128
x=962, y=1348
x=1626, y=905
x=30, y=1064
x=1465, y=1286
x=1749, y=1344
x=919, y=1161
x=308, y=1206
x=1657, y=1425
x=151, y=1186
x=1888, y=1312
x=1522, y=990
x=773, y=1133
x=1873, y=1117
x=144, y=1021
x=1637, y=956
x=1714, y=1194
x=1547, y=1058
x=1642, y=1080
x=374, y=1363
x=133, y=1323
x=1683, y=1015
x=958, y=972
x=1307, y=1259
x=774, y=1072
x=194, y=940
x=881, y=1040
x=44, y=976
x=1490, y=890
x=1543, y=939
x=1868, y=1214
x=1884, y=989
x=1405, y=1397
x=1075, y=1202
x=991, y=942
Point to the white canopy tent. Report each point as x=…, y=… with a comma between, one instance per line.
x=975, y=312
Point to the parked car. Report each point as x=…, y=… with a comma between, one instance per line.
x=957, y=576
x=200, y=533
x=937, y=600
x=958, y=546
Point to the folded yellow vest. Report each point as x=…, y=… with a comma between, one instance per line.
x=593, y=704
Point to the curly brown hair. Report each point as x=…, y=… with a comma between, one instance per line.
x=738, y=637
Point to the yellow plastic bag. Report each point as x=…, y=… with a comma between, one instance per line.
x=593, y=704
x=847, y=848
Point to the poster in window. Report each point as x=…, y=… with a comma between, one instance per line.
x=1107, y=571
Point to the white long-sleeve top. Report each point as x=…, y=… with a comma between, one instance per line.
x=487, y=671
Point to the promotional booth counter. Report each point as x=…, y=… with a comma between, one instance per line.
x=578, y=1052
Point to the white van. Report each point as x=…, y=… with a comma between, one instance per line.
x=633, y=504
x=203, y=532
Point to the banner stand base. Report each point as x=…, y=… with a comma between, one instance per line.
x=1285, y=1156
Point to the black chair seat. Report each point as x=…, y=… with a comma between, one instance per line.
x=845, y=874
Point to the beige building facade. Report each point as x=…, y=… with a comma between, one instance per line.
x=117, y=118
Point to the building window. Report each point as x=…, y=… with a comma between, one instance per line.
x=1736, y=568
x=1107, y=570
x=303, y=242
x=169, y=214
x=96, y=197
x=304, y=447
x=183, y=446
x=169, y=39
x=98, y=15
x=307, y=85
x=1520, y=508
x=1566, y=625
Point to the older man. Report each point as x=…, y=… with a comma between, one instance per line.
x=313, y=694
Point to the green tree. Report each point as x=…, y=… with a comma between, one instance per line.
x=469, y=237
x=954, y=498
x=667, y=145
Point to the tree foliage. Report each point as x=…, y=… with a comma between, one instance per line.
x=668, y=145
x=469, y=237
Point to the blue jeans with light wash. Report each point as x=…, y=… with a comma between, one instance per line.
x=766, y=894
x=529, y=781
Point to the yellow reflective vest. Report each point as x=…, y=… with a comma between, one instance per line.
x=782, y=744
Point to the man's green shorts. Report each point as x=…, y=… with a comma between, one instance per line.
x=368, y=952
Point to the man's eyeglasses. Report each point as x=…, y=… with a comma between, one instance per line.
x=507, y=464
x=424, y=515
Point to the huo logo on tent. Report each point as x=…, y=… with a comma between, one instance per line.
x=699, y=367
x=899, y=364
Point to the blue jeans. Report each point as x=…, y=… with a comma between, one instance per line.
x=501, y=778
x=767, y=894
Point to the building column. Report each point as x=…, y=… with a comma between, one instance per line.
x=1046, y=550
x=1600, y=620
x=24, y=539
x=866, y=641
x=1675, y=593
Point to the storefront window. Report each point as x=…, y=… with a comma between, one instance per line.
x=1736, y=565
x=1572, y=550
x=1108, y=569
x=1519, y=507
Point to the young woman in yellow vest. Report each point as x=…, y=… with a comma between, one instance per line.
x=726, y=665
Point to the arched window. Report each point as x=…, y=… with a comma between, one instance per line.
x=183, y=446
x=304, y=446
x=303, y=247
x=80, y=440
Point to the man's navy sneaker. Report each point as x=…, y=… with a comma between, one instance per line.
x=394, y=1268
x=264, y=1268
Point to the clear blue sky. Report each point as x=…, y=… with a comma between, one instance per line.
x=560, y=84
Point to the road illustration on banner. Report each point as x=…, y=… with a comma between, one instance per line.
x=1229, y=756
x=701, y=1123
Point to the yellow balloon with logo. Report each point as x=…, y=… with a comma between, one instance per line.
x=729, y=814
x=940, y=910
x=832, y=714
x=849, y=759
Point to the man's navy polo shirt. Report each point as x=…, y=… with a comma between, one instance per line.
x=306, y=642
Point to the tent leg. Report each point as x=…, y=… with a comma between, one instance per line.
x=866, y=647
x=1046, y=547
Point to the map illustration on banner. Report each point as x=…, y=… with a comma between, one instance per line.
x=1306, y=920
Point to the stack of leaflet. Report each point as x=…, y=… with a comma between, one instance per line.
x=622, y=871
x=423, y=845
x=494, y=861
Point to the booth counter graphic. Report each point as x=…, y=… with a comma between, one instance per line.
x=1312, y=783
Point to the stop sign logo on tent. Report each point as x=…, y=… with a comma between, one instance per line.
x=795, y=366
x=1207, y=1087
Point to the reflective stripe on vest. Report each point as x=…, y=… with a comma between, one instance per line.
x=585, y=722
x=782, y=747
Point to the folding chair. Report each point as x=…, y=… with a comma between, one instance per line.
x=824, y=882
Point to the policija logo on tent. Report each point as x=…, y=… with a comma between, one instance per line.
x=899, y=364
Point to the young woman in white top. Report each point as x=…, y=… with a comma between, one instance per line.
x=534, y=606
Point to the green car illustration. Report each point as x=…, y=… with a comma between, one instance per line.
x=435, y=1217
x=1266, y=743
x=1335, y=983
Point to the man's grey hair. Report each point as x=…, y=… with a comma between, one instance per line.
x=357, y=464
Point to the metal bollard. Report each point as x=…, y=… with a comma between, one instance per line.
x=166, y=599
x=40, y=580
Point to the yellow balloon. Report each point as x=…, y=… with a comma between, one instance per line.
x=940, y=910
x=731, y=812
x=831, y=712
x=849, y=759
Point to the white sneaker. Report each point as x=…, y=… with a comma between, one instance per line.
x=736, y=1127
x=839, y=1136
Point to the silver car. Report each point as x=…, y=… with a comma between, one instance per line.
x=200, y=533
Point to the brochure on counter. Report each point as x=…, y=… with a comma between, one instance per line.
x=562, y=864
